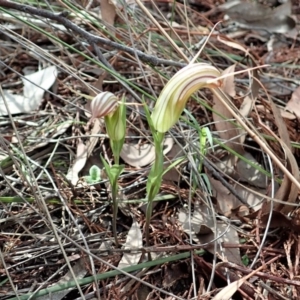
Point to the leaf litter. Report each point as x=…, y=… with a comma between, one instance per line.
x=35, y=85
x=59, y=144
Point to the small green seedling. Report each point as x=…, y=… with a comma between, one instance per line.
x=245, y=260
x=94, y=175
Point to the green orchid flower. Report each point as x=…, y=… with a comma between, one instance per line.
x=173, y=98
x=103, y=104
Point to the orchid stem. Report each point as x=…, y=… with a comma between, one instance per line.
x=114, y=194
x=154, y=181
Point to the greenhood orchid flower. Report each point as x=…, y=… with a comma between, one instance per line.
x=173, y=98
x=107, y=105
x=116, y=123
x=103, y=104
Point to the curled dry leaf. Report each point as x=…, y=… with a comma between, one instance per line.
x=227, y=202
x=247, y=173
x=35, y=85
x=140, y=156
x=202, y=230
x=108, y=13
x=228, y=85
x=233, y=44
x=253, y=15
x=243, y=171
x=288, y=190
x=79, y=163
x=226, y=130
x=287, y=115
x=294, y=103
x=134, y=240
x=229, y=290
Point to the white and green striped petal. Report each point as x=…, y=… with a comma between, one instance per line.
x=178, y=90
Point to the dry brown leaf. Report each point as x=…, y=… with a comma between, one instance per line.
x=294, y=103
x=134, y=240
x=288, y=190
x=81, y=157
x=246, y=173
x=229, y=290
x=280, y=220
x=226, y=130
x=138, y=155
x=227, y=202
x=97, y=127
x=202, y=219
x=248, y=102
x=143, y=292
x=98, y=84
x=287, y=115
x=35, y=85
x=253, y=15
x=243, y=171
x=246, y=106
x=228, y=85
x=226, y=235
x=233, y=44
x=186, y=221
x=245, y=110
x=108, y=13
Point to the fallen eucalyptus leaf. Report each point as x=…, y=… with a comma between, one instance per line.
x=253, y=15
x=35, y=85
x=140, y=156
x=79, y=163
x=202, y=230
x=134, y=240
x=294, y=103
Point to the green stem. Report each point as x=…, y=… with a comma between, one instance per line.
x=114, y=194
x=147, y=224
x=116, y=147
x=113, y=174
x=154, y=181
